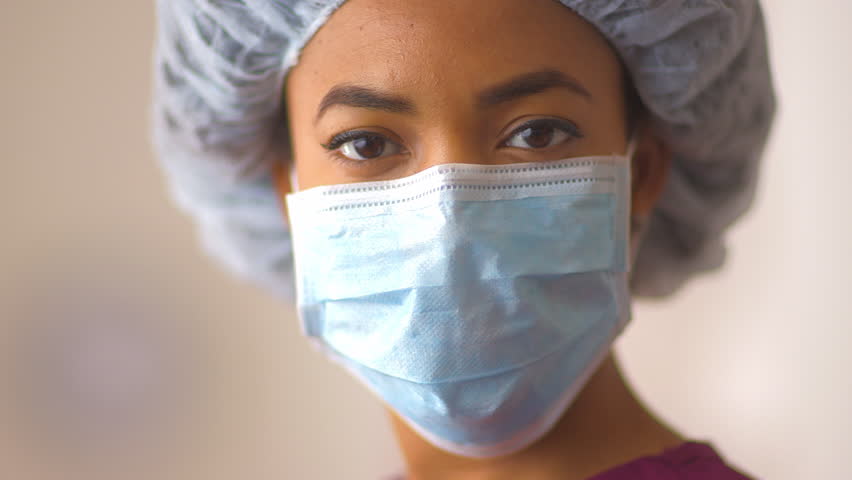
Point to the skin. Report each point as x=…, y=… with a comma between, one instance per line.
x=440, y=57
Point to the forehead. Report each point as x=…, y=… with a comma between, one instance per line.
x=452, y=48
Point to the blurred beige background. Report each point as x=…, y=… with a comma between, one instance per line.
x=125, y=353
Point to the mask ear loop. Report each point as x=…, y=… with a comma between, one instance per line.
x=294, y=182
x=637, y=226
x=631, y=146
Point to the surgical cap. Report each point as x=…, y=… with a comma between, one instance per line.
x=700, y=68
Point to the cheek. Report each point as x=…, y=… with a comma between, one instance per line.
x=608, y=123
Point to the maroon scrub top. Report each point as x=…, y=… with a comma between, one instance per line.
x=687, y=461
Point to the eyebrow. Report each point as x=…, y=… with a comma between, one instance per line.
x=529, y=84
x=363, y=97
x=515, y=88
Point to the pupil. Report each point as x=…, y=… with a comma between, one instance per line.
x=369, y=147
x=538, y=137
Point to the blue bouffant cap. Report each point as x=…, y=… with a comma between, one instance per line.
x=699, y=66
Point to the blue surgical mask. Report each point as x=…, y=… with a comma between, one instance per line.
x=475, y=300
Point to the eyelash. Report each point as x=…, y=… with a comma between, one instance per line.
x=342, y=138
x=333, y=146
x=566, y=126
x=338, y=140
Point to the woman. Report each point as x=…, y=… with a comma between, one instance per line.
x=473, y=190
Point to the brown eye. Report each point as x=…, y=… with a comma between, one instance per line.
x=542, y=133
x=538, y=137
x=367, y=147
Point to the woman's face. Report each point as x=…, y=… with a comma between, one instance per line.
x=388, y=88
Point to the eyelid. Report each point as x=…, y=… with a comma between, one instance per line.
x=346, y=136
x=338, y=140
x=568, y=126
x=333, y=147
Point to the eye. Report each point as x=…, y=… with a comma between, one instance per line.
x=362, y=146
x=543, y=133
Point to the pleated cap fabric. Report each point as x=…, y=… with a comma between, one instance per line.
x=700, y=67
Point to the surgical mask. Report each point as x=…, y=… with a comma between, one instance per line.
x=474, y=300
